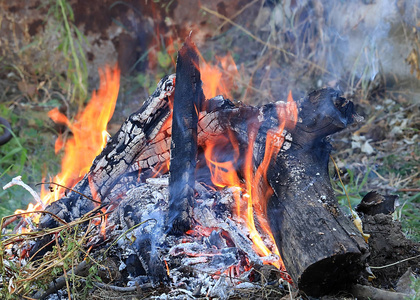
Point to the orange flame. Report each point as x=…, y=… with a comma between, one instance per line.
x=167, y=268
x=103, y=225
x=219, y=80
x=256, y=190
x=223, y=174
x=256, y=183
x=89, y=136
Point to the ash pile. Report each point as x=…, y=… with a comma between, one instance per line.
x=216, y=258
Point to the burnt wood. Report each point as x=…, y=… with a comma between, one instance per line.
x=374, y=203
x=320, y=247
x=117, y=168
x=188, y=100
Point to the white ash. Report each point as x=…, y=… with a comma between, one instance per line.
x=211, y=261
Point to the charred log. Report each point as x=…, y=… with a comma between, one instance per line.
x=119, y=155
x=320, y=247
x=374, y=203
x=113, y=168
x=188, y=100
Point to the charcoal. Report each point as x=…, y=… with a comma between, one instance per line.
x=188, y=100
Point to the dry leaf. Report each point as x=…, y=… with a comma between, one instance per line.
x=358, y=223
x=413, y=60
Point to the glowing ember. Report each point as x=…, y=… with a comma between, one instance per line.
x=89, y=135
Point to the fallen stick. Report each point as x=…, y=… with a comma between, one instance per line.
x=60, y=282
x=123, y=289
x=369, y=292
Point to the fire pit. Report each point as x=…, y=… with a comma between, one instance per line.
x=205, y=198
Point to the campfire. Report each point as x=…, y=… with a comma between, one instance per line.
x=195, y=194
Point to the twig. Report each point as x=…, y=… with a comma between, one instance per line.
x=397, y=112
x=38, y=272
x=380, y=176
x=395, y=263
x=2, y=224
x=408, y=190
x=369, y=292
x=237, y=14
x=70, y=189
x=116, y=288
x=18, y=181
x=122, y=288
x=290, y=290
x=64, y=269
x=61, y=281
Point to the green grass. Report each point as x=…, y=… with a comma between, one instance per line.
x=13, y=157
x=31, y=151
x=71, y=46
x=405, y=167
x=30, y=154
x=355, y=187
x=415, y=285
x=407, y=212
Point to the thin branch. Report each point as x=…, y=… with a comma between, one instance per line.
x=70, y=189
x=395, y=263
x=18, y=181
x=64, y=269
x=61, y=281
x=237, y=14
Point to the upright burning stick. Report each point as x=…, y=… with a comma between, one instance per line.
x=187, y=103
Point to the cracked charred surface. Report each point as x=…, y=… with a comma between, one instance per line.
x=139, y=150
x=111, y=171
x=318, y=244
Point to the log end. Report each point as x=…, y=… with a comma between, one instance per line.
x=331, y=274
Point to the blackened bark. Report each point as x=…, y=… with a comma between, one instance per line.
x=112, y=168
x=187, y=103
x=321, y=249
x=319, y=245
x=374, y=203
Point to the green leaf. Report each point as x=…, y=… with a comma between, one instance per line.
x=164, y=59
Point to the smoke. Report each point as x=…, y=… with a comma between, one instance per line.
x=364, y=34
x=341, y=44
